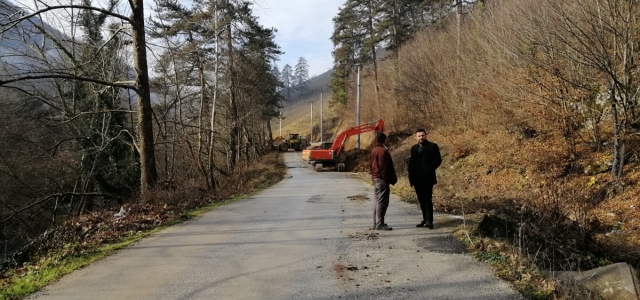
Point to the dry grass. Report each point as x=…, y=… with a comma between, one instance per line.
x=513, y=144
x=297, y=118
x=587, y=228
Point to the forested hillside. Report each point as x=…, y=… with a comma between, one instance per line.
x=534, y=105
x=84, y=126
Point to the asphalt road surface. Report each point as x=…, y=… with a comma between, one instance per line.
x=307, y=237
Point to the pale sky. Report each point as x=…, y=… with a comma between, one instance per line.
x=304, y=27
x=304, y=30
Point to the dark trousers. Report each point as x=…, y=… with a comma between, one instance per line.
x=380, y=202
x=425, y=197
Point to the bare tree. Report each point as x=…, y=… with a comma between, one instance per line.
x=594, y=38
x=140, y=82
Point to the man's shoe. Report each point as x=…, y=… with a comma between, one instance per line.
x=382, y=227
x=421, y=224
x=429, y=225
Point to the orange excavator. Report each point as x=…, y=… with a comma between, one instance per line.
x=332, y=157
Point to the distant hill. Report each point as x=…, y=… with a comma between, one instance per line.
x=312, y=88
x=297, y=110
x=27, y=46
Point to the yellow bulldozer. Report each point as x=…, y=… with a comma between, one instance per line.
x=294, y=141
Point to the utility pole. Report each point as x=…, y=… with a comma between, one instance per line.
x=458, y=22
x=311, y=127
x=321, y=105
x=280, y=123
x=358, y=107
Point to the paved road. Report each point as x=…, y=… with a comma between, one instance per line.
x=305, y=238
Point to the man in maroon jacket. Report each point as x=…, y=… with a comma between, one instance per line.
x=383, y=174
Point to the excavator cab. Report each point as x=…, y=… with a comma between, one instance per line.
x=326, y=145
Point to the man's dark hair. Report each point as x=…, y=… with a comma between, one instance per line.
x=381, y=137
x=421, y=130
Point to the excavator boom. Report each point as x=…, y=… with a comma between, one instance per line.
x=332, y=154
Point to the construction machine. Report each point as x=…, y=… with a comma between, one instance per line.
x=333, y=157
x=295, y=141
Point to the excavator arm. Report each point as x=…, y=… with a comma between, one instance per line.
x=351, y=131
x=332, y=154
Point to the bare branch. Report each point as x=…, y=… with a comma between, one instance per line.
x=67, y=76
x=13, y=23
x=90, y=113
x=44, y=200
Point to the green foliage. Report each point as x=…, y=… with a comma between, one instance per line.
x=54, y=267
x=110, y=163
x=338, y=86
x=301, y=73
x=491, y=258
x=286, y=77
x=362, y=27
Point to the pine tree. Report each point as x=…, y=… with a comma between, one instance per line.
x=275, y=71
x=366, y=11
x=355, y=40
x=301, y=74
x=347, y=40
x=109, y=168
x=287, y=80
x=193, y=51
x=253, y=98
x=396, y=23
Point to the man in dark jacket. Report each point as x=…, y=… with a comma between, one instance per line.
x=425, y=159
x=383, y=174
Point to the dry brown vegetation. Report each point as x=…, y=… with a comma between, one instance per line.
x=297, y=118
x=535, y=111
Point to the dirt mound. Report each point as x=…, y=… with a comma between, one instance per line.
x=357, y=160
x=395, y=139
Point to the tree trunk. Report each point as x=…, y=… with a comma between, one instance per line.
x=201, y=124
x=215, y=98
x=374, y=56
x=616, y=164
x=270, y=132
x=233, y=134
x=148, y=171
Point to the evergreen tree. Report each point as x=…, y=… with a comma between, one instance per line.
x=355, y=41
x=347, y=40
x=396, y=23
x=108, y=167
x=362, y=27
x=365, y=10
x=252, y=88
x=286, y=77
x=275, y=71
x=189, y=36
x=301, y=73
